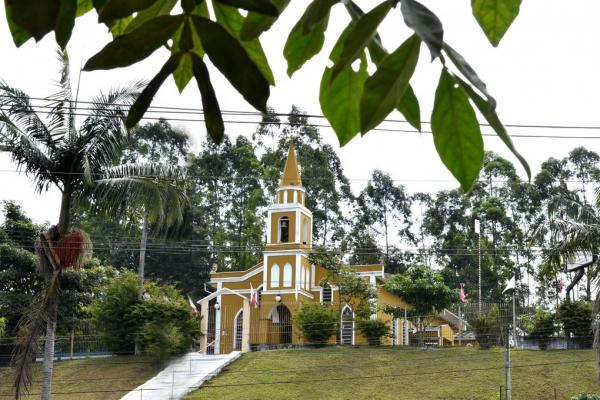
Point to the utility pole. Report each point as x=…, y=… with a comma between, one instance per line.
x=141, y=266
x=507, y=367
x=478, y=232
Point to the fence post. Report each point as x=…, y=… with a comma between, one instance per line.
x=72, y=341
x=508, y=382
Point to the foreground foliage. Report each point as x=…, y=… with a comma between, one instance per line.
x=229, y=38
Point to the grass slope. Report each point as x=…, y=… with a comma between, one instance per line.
x=391, y=373
x=87, y=379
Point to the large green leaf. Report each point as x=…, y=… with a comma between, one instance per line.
x=119, y=26
x=115, y=9
x=465, y=68
x=83, y=7
x=409, y=107
x=65, y=22
x=228, y=55
x=231, y=19
x=302, y=44
x=495, y=16
x=184, y=72
x=260, y=6
x=376, y=49
x=37, y=17
x=384, y=90
x=317, y=11
x=160, y=7
x=210, y=105
x=257, y=23
x=136, y=45
x=489, y=113
x=137, y=110
x=19, y=35
x=456, y=132
x=425, y=24
x=340, y=98
x=360, y=36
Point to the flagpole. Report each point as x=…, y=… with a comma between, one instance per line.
x=514, y=320
x=478, y=230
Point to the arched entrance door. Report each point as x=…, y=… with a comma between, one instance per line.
x=280, y=331
x=238, y=331
x=285, y=324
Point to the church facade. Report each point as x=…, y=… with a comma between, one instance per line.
x=232, y=320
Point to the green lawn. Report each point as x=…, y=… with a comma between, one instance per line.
x=91, y=378
x=390, y=373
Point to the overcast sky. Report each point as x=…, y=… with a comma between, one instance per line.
x=545, y=72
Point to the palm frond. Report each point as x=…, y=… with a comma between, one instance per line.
x=154, y=189
x=61, y=103
x=16, y=105
x=31, y=328
x=27, y=152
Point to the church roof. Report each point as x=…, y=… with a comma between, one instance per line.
x=291, y=172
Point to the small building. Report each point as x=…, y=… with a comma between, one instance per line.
x=282, y=282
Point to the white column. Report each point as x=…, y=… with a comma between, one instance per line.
x=246, y=327
x=203, y=326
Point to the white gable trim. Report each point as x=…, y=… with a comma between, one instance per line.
x=239, y=278
x=219, y=293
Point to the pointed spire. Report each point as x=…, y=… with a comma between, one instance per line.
x=291, y=172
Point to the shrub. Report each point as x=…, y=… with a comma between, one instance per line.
x=162, y=322
x=317, y=322
x=373, y=330
x=576, y=320
x=2, y=326
x=543, y=328
x=487, y=329
x=586, y=396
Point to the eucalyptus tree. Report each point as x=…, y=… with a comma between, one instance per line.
x=353, y=101
x=386, y=208
x=54, y=150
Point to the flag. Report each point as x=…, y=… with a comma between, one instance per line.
x=462, y=294
x=194, y=308
x=477, y=226
x=253, y=296
x=511, y=284
x=561, y=285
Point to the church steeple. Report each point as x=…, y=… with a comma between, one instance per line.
x=291, y=172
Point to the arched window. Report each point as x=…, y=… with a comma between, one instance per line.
x=259, y=295
x=305, y=232
x=287, y=275
x=347, y=326
x=275, y=275
x=238, y=329
x=306, y=278
x=284, y=230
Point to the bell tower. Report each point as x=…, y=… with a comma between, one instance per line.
x=289, y=235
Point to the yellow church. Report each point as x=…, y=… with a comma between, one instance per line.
x=232, y=321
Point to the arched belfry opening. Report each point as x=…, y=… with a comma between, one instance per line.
x=284, y=230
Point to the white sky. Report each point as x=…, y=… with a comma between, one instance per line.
x=545, y=72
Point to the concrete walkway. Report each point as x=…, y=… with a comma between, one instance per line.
x=181, y=377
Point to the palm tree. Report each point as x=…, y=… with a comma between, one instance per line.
x=575, y=231
x=48, y=146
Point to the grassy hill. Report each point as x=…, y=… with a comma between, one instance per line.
x=391, y=373
x=88, y=379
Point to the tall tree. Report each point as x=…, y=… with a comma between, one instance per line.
x=386, y=208
x=78, y=161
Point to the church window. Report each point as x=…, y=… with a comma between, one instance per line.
x=305, y=232
x=287, y=275
x=275, y=275
x=326, y=294
x=284, y=230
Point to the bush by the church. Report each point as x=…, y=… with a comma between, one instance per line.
x=161, y=322
x=373, y=330
x=487, y=329
x=317, y=322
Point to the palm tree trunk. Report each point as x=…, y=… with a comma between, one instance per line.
x=64, y=220
x=48, y=358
